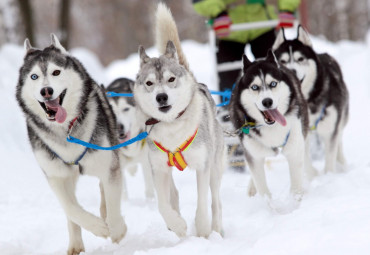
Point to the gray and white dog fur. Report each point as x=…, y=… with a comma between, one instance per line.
x=164, y=88
x=269, y=96
x=53, y=90
x=324, y=89
x=130, y=125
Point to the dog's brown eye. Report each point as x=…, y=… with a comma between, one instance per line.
x=149, y=83
x=172, y=79
x=300, y=59
x=283, y=62
x=56, y=73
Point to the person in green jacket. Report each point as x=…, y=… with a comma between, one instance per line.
x=231, y=45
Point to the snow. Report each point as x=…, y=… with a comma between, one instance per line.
x=333, y=217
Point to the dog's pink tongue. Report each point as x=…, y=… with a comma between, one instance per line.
x=277, y=116
x=60, y=112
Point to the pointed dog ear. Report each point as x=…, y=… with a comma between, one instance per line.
x=27, y=47
x=171, y=51
x=272, y=58
x=55, y=42
x=143, y=56
x=280, y=39
x=303, y=37
x=246, y=63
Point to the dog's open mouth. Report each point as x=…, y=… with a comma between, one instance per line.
x=124, y=137
x=165, y=108
x=54, y=110
x=272, y=115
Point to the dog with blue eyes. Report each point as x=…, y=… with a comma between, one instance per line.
x=270, y=115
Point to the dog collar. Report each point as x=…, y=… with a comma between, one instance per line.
x=153, y=121
x=71, y=124
x=176, y=158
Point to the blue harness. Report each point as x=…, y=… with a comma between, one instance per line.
x=321, y=116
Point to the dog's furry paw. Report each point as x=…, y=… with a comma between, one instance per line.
x=76, y=250
x=99, y=228
x=251, y=190
x=311, y=173
x=203, y=227
x=117, y=230
x=177, y=225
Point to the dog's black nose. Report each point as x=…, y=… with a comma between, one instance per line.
x=47, y=92
x=121, y=128
x=162, y=98
x=294, y=71
x=267, y=102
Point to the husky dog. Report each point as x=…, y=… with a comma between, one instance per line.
x=268, y=108
x=183, y=130
x=324, y=89
x=128, y=126
x=59, y=98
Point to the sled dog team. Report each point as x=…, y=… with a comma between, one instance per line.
x=277, y=104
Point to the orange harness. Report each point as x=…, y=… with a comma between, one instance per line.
x=175, y=158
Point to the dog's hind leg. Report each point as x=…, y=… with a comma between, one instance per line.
x=331, y=152
x=201, y=218
x=340, y=156
x=173, y=219
x=103, y=204
x=75, y=239
x=112, y=184
x=64, y=188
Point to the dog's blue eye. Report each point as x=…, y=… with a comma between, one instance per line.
x=254, y=87
x=273, y=84
x=34, y=76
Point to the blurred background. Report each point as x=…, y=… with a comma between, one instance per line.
x=113, y=29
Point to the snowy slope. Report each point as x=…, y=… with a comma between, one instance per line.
x=333, y=218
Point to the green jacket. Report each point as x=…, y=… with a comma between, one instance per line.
x=242, y=11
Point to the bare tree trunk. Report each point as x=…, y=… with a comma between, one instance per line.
x=64, y=22
x=26, y=11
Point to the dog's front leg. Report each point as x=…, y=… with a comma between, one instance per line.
x=148, y=176
x=64, y=189
x=111, y=186
x=201, y=218
x=76, y=245
x=216, y=176
x=310, y=171
x=295, y=154
x=257, y=170
x=173, y=219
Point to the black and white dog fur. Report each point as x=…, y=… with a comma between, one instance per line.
x=268, y=97
x=324, y=89
x=130, y=125
x=58, y=98
x=166, y=91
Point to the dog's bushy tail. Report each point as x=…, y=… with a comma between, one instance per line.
x=166, y=30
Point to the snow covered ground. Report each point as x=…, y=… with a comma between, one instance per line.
x=333, y=218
